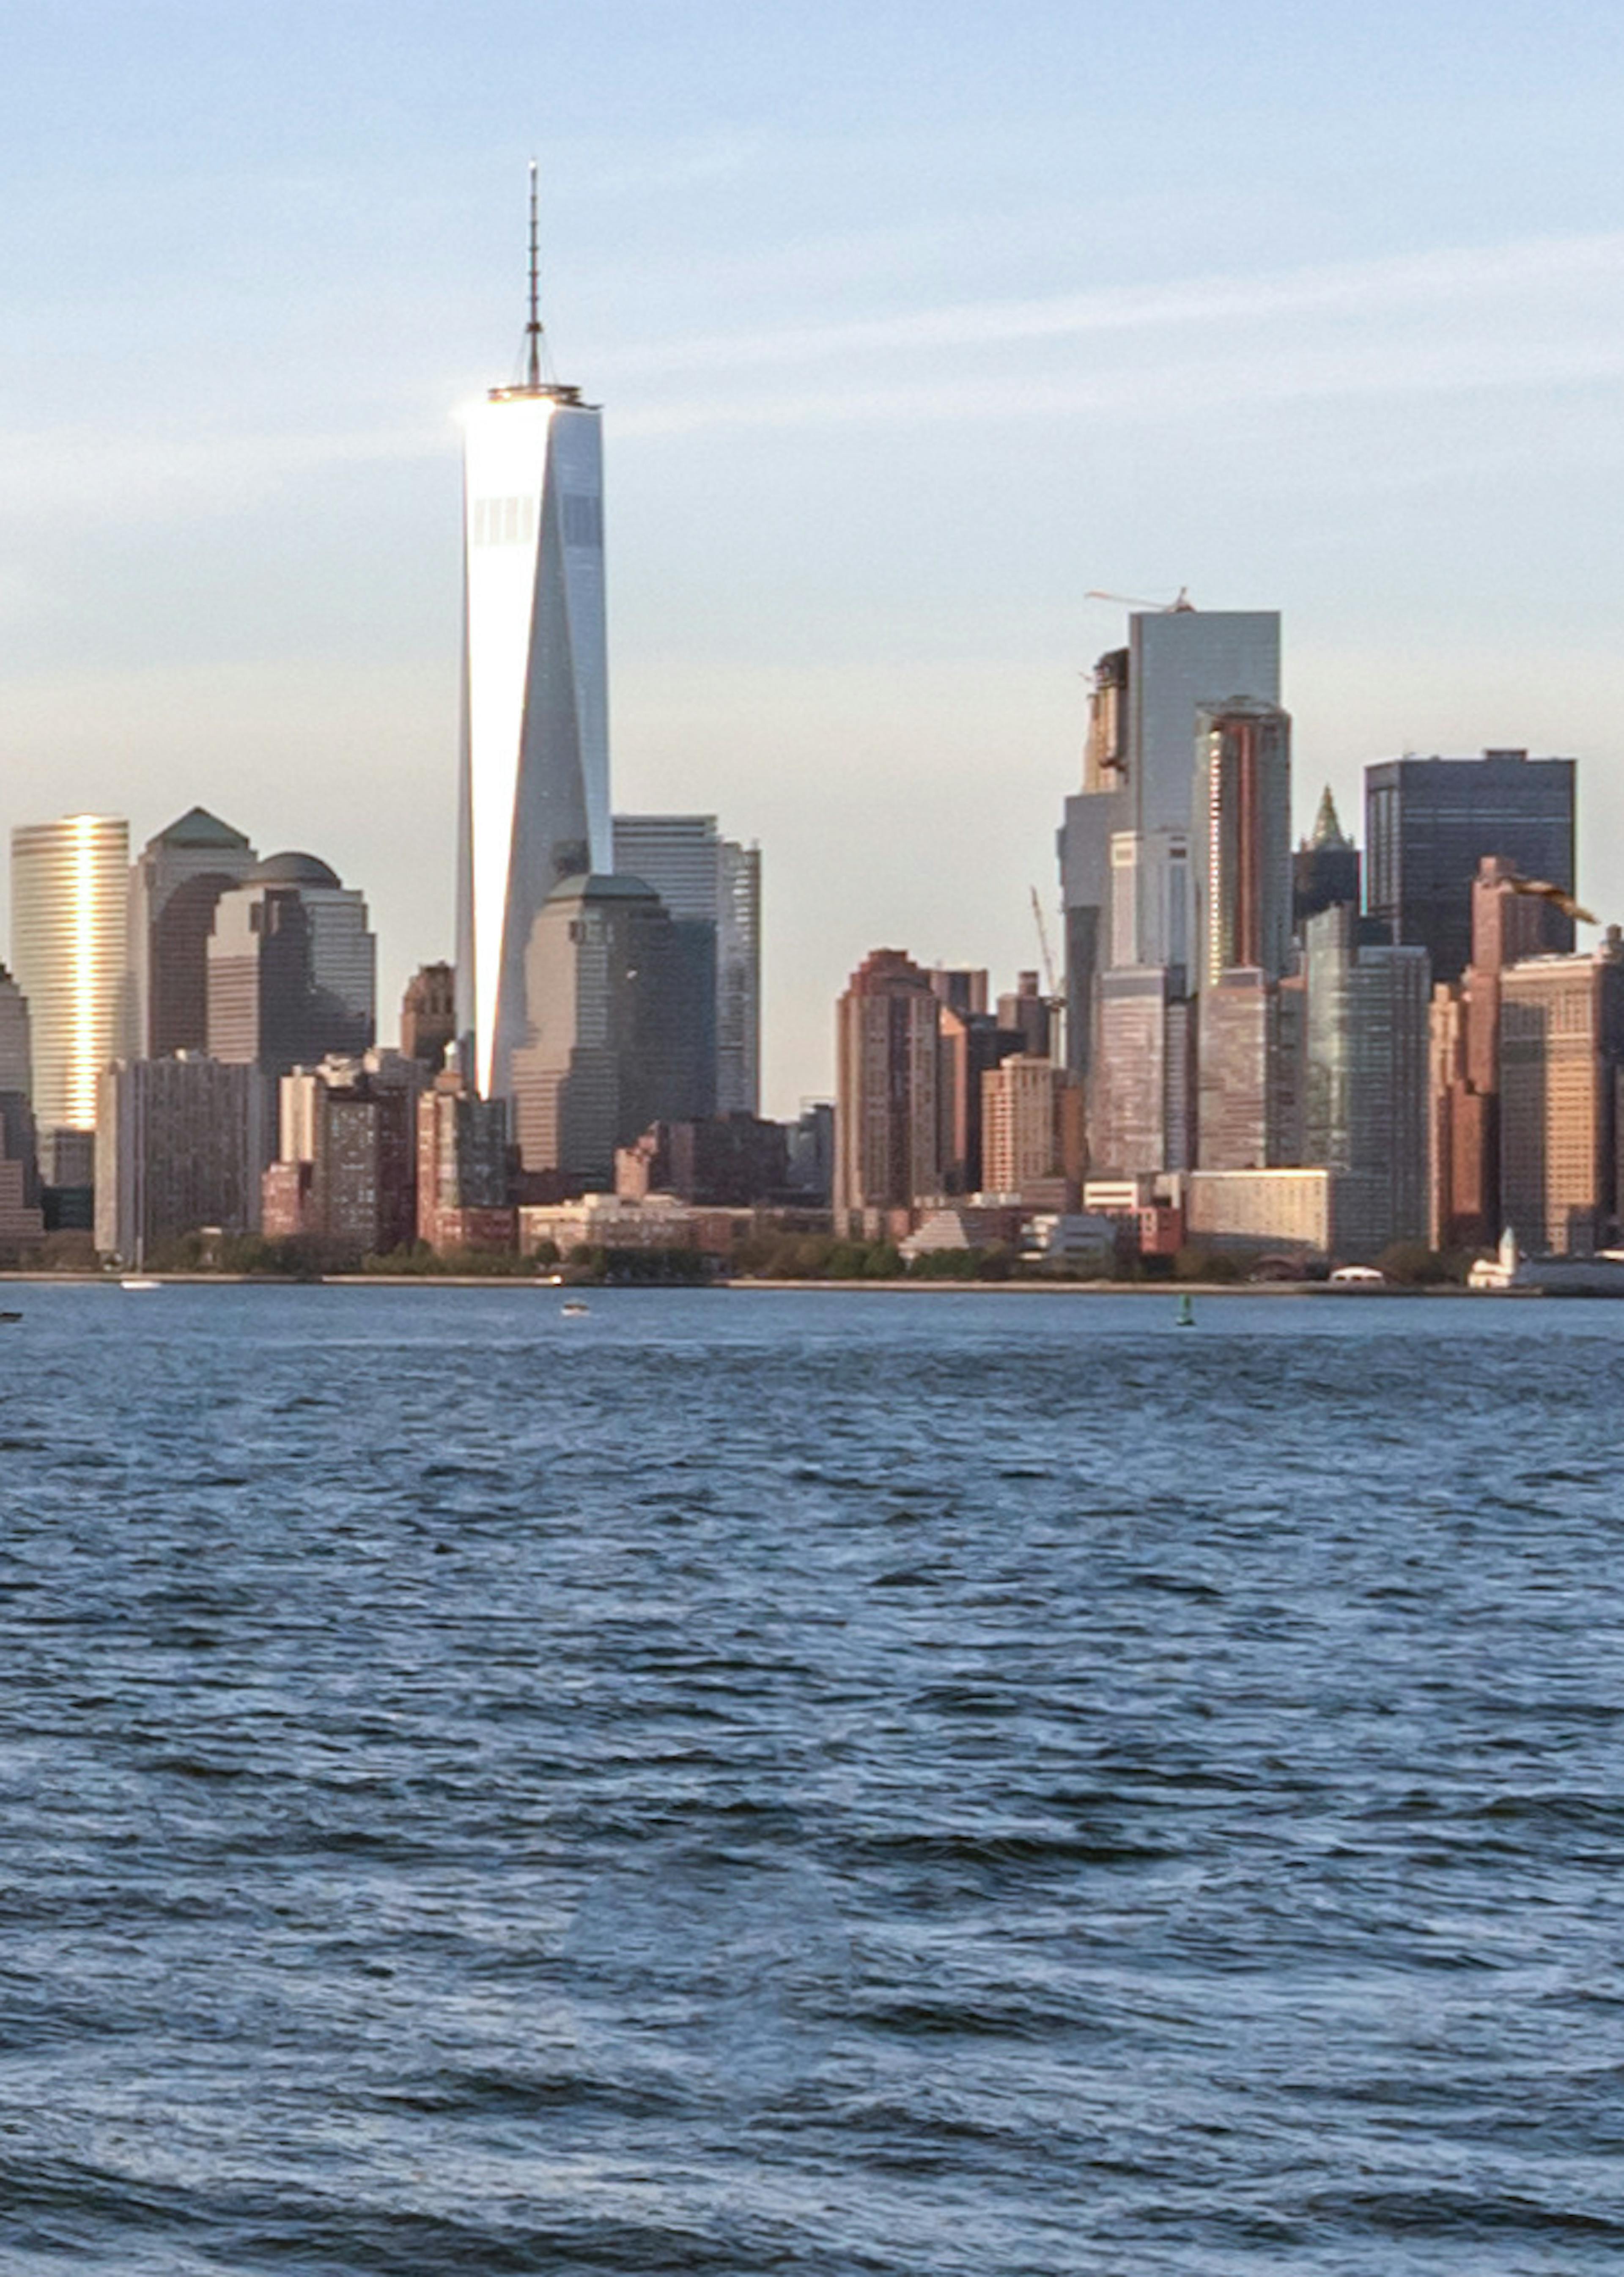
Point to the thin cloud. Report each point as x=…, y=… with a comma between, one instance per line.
x=1182, y=389
x=1364, y=288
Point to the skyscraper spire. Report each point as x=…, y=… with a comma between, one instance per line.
x=532, y=330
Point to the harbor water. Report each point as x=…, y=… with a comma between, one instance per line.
x=939, y=1785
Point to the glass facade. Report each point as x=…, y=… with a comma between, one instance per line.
x=1429, y=822
x=69, y=903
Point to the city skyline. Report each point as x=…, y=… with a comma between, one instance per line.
x=1375, y=387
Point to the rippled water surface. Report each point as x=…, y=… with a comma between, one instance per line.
x=743, y=1782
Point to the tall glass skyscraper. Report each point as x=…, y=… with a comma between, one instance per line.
x=534, y=775
x=70, y=898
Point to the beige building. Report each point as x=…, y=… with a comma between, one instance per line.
x=1561, y=1048
x=1019, y=1124
x=1290, y=1210
x=70, y=952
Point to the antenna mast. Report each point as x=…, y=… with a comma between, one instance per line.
x=532, y=330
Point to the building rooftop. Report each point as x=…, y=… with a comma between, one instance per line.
x=198, y=827
x=291, y=869
x=602, y=885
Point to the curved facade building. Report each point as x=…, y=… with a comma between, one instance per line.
x=70, y=903
x=535, y=775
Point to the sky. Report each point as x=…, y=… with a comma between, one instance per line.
x=911, y=325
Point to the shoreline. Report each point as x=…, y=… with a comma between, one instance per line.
x=16, y=1277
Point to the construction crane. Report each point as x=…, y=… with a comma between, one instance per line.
x=1043, y=943
x=1182, y=606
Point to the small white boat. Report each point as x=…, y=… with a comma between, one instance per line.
x=575, y=1306
x=140, y=1281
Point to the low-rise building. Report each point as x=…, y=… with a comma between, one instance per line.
x=1293, y=1211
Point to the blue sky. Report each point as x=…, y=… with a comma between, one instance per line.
x=911, y=325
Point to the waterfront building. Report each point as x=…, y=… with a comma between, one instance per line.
x=1293, y=1210
x=1365, y=1079
x=70, y=923
x=1325, y=868
x=534, y=767
x=601, y=1221
x=175, y=883
x=429, y=1016
x=1429, y=822
x=1465, y=1048
x=180, y=1144
x=464, y=1179
x=292, y=968
x=888, y=1136
x=1020, y=1130
x=1561, y=1051
x=621, y=1002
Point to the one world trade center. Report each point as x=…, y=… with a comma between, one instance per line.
x=535, y=770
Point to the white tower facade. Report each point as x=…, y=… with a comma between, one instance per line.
x=534, y=776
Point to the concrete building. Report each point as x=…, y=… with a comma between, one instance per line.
x=292, y=968
x=1021, y=1133
x=1561, y=1051
x=175, y=883
x=180, y=1144
x=70, y=949
x=888, y=1136
x=534, y=773
x=1325, y=869
x=429, y=1016
x=464, y=1180
x=620, y=1028
x=1429, y=822
x=1365, y=1088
